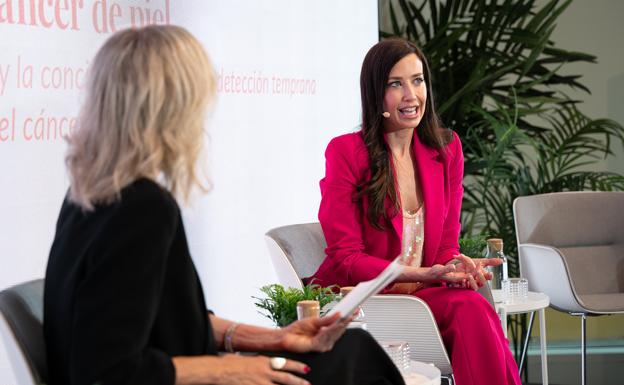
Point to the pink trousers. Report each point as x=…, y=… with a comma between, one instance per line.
x=473, y=336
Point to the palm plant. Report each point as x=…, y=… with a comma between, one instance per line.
x=498, y=82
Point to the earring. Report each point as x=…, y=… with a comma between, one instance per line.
x=386, y=114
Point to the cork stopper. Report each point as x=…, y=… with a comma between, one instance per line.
x=495, y=244
x=308, y=308
x=346, y=290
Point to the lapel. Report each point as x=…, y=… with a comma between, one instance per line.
x=431, y=180
x=431, y=177
x=397, y=220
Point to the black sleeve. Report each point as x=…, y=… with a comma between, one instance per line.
x=118, y=300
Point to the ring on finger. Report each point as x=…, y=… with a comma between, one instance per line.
x=277, y=363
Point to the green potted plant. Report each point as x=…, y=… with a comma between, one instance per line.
x=280, y=304
x=473, y=246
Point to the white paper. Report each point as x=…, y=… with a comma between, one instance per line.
x=365, y=289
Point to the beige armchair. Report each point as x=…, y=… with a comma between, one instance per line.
x=571, y=247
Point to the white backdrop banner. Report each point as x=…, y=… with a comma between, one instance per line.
x=288, y=81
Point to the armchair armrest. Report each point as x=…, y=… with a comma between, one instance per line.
x=407, y=318
x=546, y=270
x=486, y=292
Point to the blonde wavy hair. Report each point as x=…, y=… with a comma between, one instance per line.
x=143, y=115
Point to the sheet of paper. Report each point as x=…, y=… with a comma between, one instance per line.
x=364, y=290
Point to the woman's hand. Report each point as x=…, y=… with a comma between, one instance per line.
x=475, y=269
x=234, y=369
x=434, y=274
x=256, y=370
x=313, y=334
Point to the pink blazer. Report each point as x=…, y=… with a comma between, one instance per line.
x=356, y=251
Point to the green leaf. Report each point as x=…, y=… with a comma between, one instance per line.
x=473, y=246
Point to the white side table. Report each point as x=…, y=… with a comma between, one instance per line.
x=535, y=302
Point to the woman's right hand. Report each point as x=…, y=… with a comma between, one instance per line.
x=234, y=369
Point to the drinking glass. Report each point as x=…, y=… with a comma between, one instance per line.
x=398, y=352
x=515, y=290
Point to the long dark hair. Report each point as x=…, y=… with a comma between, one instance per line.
x=373, y=79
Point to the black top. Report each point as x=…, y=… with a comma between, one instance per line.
x=121, y=293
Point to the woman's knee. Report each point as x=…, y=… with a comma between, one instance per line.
x=469, y=298
x=357, y=337
x=358, y=340
x=466, y=305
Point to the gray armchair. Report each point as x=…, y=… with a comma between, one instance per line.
x=571, y=247
x=21, y=328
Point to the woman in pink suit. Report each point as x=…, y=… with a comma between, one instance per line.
x=395, y=188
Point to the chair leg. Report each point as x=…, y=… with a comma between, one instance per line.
x=526, y=342
x=583, y=346
x=583, y=349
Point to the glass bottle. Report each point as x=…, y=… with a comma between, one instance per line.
x=359, y=322
x=500, y=272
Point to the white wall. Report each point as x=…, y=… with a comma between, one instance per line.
x=596, y=27
x=266, y=150
x=265, y=153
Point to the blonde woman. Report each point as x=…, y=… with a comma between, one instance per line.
x=123, y=302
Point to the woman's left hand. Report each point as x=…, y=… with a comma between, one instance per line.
x=313, y=334
x=478, y=275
